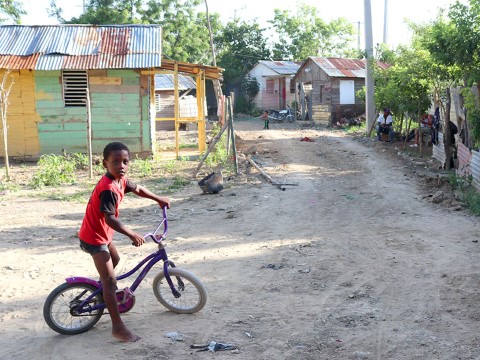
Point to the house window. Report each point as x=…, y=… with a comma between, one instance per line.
x=75, y=83
x=270, y=86
x=347, y=92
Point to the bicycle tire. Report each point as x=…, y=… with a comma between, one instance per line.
x=193, y=296
x=290, y=118
x=57, y=310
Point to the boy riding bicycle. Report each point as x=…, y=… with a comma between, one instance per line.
x=101, y=221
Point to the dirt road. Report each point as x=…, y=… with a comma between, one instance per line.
x=353, y=263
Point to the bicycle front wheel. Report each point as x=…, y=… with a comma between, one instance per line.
x=59, y=310
x=193, y=295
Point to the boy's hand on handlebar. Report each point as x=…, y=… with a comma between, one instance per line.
x=137, y=239
x=162, y=202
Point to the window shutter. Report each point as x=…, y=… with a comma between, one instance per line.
x=75, y=83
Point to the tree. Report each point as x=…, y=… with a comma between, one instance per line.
x=12, y=9
x=454, y=44
x=102, y=12
x=240, y=46
x=306, y=34
x=5, y=88
x=405, y=86
x=185, y=31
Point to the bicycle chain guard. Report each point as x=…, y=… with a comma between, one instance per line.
x=125, y=300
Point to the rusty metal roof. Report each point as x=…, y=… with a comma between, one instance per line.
x=282, y=67
x=337, y=67
x=80, y=47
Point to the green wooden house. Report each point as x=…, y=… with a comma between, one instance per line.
x=57, y=71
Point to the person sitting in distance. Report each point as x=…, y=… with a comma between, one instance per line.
x=385, y=125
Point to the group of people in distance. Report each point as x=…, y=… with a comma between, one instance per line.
x=385, y=126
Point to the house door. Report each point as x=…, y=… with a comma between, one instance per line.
x=282, y=93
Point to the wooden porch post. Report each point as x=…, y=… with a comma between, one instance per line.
x=176, y=108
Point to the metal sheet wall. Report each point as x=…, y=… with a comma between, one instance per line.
x=464, y=157
x=475, y=169
x=438, y=151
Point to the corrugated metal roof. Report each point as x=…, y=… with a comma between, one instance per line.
x=80, y=47
x=337, y=67
x=282, y=67
x=166, y=82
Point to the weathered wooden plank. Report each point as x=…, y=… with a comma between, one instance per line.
x=115, y=128
x=108, y=134
x=61, y=137
x=97, y=72
x=51, y=80
x=48, y=88
x=131, y=81
x=48, y=96
x=125, y=89
x=42, y=104
x=94, y=80
x=62, y=111
x=114, y=111
x=122, y=73
x=67, y=127
x=113, y=100
x=47, y=73
x=118, y=118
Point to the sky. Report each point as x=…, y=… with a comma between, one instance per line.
x=418, y=11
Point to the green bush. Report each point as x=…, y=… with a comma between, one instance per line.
x=142, y=167
x=54, y=170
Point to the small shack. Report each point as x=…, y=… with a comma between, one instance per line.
x=56, y=69
x=273, y=78
x=326, y=88
x=201, y=73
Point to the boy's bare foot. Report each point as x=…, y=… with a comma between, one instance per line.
x=123, y=334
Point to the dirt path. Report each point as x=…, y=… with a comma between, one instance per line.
x=353, y=263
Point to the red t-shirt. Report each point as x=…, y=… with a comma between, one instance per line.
x=105, y=198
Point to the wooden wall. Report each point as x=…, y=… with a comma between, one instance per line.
x=119, y=111
x=22, y=118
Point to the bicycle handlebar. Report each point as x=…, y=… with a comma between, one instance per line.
x=154, y=236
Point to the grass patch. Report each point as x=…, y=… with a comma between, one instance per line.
x=470, y=195
x=57, y=170
x=472, y=198
x=9, y=186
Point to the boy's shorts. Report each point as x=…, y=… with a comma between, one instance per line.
x=93, y=249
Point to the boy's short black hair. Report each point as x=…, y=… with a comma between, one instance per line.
x=114, y=146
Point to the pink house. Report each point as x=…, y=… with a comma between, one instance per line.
x=274, y=80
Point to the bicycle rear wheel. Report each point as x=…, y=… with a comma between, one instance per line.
x=290, y=118
x=60, y=305
x=193, y=295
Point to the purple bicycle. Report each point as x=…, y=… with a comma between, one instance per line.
x=76, y=305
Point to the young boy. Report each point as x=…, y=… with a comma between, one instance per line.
x=264, y=117
x=100, y=222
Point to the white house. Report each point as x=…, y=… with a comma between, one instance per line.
x=274, y=79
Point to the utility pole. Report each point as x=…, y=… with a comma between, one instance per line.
x=358, y=35
x=385, y=23
x=370, y=89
